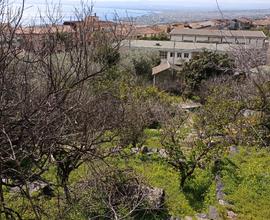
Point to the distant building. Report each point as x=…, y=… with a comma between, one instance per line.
x=187, y=43
x=201, y=25
x=175, y=52
x=262, y=23
x=62, y=37
x=44, y=38
x=92, y=22
x=147, y=32
x=240, y=24
x=254, y=38
x=248, y=46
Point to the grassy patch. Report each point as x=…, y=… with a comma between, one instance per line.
x=247, y=179
x=198, y=194
x=153, y=138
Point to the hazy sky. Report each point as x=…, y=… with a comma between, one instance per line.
x=165, y=4
x=265, y=3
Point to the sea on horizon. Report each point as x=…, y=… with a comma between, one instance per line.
x=35, y=13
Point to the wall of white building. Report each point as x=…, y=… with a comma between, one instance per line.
x=257, y=42
x=215, y=39
x=188, y=38
x=177, y=57
x=177, y=37
x=202, y=39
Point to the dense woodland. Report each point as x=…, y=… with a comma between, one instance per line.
x=85, y=135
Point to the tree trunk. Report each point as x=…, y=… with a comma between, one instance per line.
x=183, y=178
x=67, y=192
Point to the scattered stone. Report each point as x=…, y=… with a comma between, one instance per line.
x=135, y=150
x=233, y=150
x=36, y=186
x=154, y=150
x=212, y=144
x=201, y=216
x=15, y=189
x=150, y=153
x=188, y=218
x=155, y=197
x=202, y=166
x=162, y=153
x=116, y=150
x=231, y=215
x=223, y=202
x=250, y=113
x=213, y=213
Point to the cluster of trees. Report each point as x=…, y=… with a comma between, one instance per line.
x=69, y=108
x=59, y=111
x=234, y=113
x=201, y=68
x=160, y=37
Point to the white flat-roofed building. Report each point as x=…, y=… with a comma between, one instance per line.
x=177, y=52
x=254, y=38
x=247, y=48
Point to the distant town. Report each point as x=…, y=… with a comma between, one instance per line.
x=175, y=16
x=176, y=42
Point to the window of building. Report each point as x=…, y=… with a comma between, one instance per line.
x=179, y=55
x=171, y=54
x=163, y=54
x=186, y=55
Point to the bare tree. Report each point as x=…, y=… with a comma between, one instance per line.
x=112, y=194
x=49, y=115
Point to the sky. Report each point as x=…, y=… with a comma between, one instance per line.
x=167, y=4
x=231, y=4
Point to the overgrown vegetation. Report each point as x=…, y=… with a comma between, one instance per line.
x=84, y=135
x=204, y=67
x=158, y=37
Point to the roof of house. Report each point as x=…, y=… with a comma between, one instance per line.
x=44, y=29
x=227, y=33
x=163, y=67
x=90, y=23
x=181, y=46
x=244, y=20
x=262, y=22
x=160, y=68
x=201, y=25
x=146, y=30
x=178, y=25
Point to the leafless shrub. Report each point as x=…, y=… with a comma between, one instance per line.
x=112, y=194
x=48, y=113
